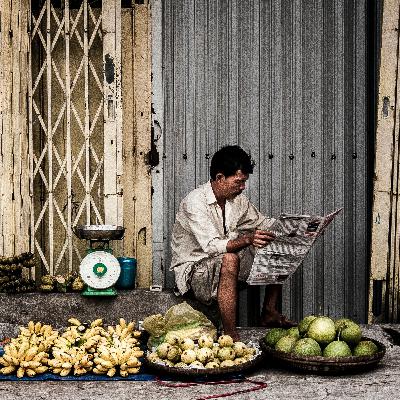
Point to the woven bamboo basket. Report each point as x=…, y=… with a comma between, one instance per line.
x=322, y=365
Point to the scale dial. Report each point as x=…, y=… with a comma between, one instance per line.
x=100, y=270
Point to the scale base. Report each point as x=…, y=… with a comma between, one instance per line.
x=99, y=292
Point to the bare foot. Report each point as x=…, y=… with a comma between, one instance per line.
x=276, y=320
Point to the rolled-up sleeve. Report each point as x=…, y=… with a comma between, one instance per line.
x=252, y=218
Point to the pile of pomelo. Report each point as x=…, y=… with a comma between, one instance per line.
x=321, y=336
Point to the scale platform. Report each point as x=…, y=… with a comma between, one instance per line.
x=88, y=291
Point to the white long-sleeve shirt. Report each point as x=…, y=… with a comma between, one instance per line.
x=198, y=232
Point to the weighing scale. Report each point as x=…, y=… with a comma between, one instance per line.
x=99, y=269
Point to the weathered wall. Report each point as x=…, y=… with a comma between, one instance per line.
x=286, y=80
x=136, y=94
x=14, y=143
x=384, y=300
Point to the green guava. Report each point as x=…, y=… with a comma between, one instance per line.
x=322, y=330
x=226, y=353
x=365, y=348
x=174, y=354
x=337, y=348
x=306, y=347
x=273, y=335
x=341, y=323
x=294, y=332
x=162, y=350
x=239, y=348
x=304, y=324
x=350, y=333
x=285, y=344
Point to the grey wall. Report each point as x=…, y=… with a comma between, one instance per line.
x=286, y=80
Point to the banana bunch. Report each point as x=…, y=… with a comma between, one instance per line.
x=74, y=359
x=120, y=352
x=73, y=350
x=28, y=353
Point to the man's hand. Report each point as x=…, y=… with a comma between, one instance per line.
x=261, y=238
x=258, y=238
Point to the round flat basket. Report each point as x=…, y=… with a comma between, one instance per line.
x=203, y=373
x=323, y=365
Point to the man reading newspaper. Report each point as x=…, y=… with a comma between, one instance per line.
x=214, y=238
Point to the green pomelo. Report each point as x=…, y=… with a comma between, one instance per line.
x=306, y=347
x=273, y=335
x=351, y=333
x=322, y=330
x=285, y=344
x=305, y=323
x=337, y=349
x=365, y=348
x=294, y=332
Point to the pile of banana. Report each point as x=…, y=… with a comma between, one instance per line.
x=120, y=352
x=73, y=350
x=80, y=349
x=28, y=354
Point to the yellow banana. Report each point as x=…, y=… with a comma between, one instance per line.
x=11, y=350
x=31, y=353
x=41, y=369
x=123, y=367
x=7, y=358
x=74, y=321
x=132, y=362
x=30, y=372
x=7, y=370
x=65, y=371
x=38, y=327
x=96, y=322
x=55, y=363
x=79, y=371
x=107, y=364
x=31, y=326
x=66, y=365
x=137, y=353
x=131, y=326
x=20, y=372
x=39, y=356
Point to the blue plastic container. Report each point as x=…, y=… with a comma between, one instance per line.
x=127, y=277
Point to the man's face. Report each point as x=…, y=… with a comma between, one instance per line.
x=232, y=186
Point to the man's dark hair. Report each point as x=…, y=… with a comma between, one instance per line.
x=230, y=159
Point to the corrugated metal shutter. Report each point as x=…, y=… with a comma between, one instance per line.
x=286, y=80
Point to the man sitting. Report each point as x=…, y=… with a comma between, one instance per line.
x=214, y=238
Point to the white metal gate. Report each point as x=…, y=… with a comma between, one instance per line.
x=74, y=125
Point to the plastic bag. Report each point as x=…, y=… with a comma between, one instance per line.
x=181, y=320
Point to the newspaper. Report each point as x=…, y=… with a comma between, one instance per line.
x=294, y=236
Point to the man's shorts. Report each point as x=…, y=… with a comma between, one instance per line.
x=205, y=274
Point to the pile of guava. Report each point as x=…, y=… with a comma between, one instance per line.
x=203, y=353
x=321, y=336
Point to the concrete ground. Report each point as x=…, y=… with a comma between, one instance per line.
x=382, y=382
